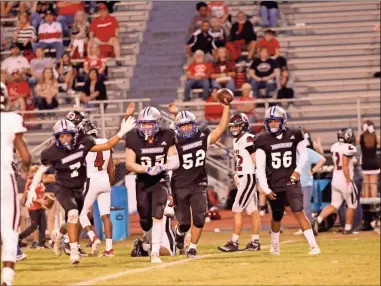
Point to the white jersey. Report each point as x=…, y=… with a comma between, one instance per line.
x=97, y=162
x=244, y=163
x=339, y=150
x=11, y=124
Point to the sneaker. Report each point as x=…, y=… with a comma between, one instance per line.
x=95, y=246
x=107, y=253
x=299, y=232
x=275, y=249
x=180, y=240
x=82, y=253
x=58, y=243
x=253, y=246
x=314, y=250
x=155, y=258
x=20, y=255
x=315, y=226
x=75, y=256
x=230, y=246
x=34, y=245
x=192, y=253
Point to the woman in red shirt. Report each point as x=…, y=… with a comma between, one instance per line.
x=223, y=73
x=95, y=61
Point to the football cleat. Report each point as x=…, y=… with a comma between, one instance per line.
x=275, y=249
x=75, y=256
x=315, y=226
x=138, y=250
x=155, y=258
x=107, y=253
x=253, y=246
x=82, y=253
x=58, y=243
x=34, y=245
x=180, y=240
x=230, y=246
x=20, y=255
x=314, y=250
x=42, y=246
x=66, y=248
x=95, y=246
x=192, y=253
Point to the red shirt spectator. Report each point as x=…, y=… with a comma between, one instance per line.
x=18, y=90
x=70, y=8
x=213, y=113
x=270, y=43
x=200, y=69
x=94, y=63
x=104, y=28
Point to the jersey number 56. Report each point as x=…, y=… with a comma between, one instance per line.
x=277, y=160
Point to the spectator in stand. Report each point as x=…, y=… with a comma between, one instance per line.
x=242, y=33
x=269, y=13
x=213, y=112
x=67, y=73
x=200, y=40
x=38, y=65
x=217, y=33
x=50, y=34
x=38, y=12
x=263, y=72
x=104, y=30
x=198, y=76
x=3, y=40
x=273, y=47
x=220, y=10
x=47, y=91
x=15, y=61
x=94, y=61
x=6, y=8
x=370, y=162
x=18, y=91
x=66, y=11
x=248, y=105
x=312, y=144
x=24, y=34
x=197, y=20
x=286, y=85
x=94, y=89
x=223, y=71
x=79, y=33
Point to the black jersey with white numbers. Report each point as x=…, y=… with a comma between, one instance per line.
x=281, y=153
x=192, y=156
x=70, y=165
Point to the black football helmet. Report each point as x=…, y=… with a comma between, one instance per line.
x=3, y=97
x=346, y=135
x=87, y=127
x=76, y=116
x=241, y=120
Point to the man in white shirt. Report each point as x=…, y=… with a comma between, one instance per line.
x=15, y=61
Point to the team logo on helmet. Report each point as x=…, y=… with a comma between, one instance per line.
x=75, y=116
x=184, y=118
x=346, y=135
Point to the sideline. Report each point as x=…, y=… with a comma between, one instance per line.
x=162, y=265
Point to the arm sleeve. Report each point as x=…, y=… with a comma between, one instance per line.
x=18, y=124
x=350, y=151
x=38, y=176
x=303, y=156
x=260, y=157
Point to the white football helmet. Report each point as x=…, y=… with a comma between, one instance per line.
x=186, y=117
x=149, y=115
x=275, y=113
x=64, y=126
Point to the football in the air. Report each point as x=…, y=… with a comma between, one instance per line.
x=225, y=95
x=49, y=200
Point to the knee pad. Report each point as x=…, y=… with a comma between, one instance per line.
x=9, y=248
x=72, y=216
x=277, y=215
x=183, y=228
x=84, y=220
x=146, y=224
x=199, y=220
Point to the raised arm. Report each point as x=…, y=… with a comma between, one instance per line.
x=224, y=122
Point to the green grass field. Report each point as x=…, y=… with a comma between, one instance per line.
x=345, y=260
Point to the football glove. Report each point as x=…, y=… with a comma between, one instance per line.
x=155, y=170
x=126, y=126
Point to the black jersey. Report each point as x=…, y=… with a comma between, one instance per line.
x=70, y=165
x=280, y=156
x=192, y=156
x=151, y=154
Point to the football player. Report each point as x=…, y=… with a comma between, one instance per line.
x=68, y=157
x=343, y=187
x=100, y=176
x=189, y=182
x=151, y=152
x=246, y=198
x=12, y=130
x=76, y=117
x=278, y=172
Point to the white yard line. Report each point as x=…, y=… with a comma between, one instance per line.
x=159, y=266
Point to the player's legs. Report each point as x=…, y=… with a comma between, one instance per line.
x=351, y=201
x=252, y=211
x=167, y=247
x=183, y=214
x=366, y=186
x=104, y=203
x=336, y=201
x=10, y=215
x=277, y=212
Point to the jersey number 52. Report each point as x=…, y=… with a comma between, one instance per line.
x=189, y=161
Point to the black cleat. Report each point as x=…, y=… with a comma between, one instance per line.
x=192, y=253
x=253, y=246
x=137, y=250
x=348, y=232
x=230, y=246
x=315, y=226
x=180, y=240
x=82, y=253
x=66, y=248
x=42, y=246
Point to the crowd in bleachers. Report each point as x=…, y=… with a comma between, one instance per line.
x=57, y=49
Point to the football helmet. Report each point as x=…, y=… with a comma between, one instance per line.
x=186, y=117
x=149, y=115
x=275, y=113
x=65, y=127
x=241, y=120
x=3, y=97
x=75, y=116
x=346, y=135
x=87, y=127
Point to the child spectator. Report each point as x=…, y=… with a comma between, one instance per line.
x=213, y=112
x=273, y=47
x=94, y=89
x=79, y=33
x=47, y=90
x=269, y=13
x=198, y=76
x=223, y=73
x=67, y=73
x=24, y=34
x=242, y=33
x=197, y=20
x=94, y=60
x=18, y=91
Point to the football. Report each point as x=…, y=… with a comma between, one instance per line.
x=49, y=200
x=225, y=95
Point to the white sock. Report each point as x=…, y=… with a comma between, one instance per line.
x=310, y=237
x=319, y=219
x=66, y=238
x=7, y=276
x=191, y=245
x=108, y=244
x=91, y=234
x=275, y=237
x=347, y=227
x=157, y=229
x=235, y=237
x=146, y=246
x=73, y=245
x=254, y=237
